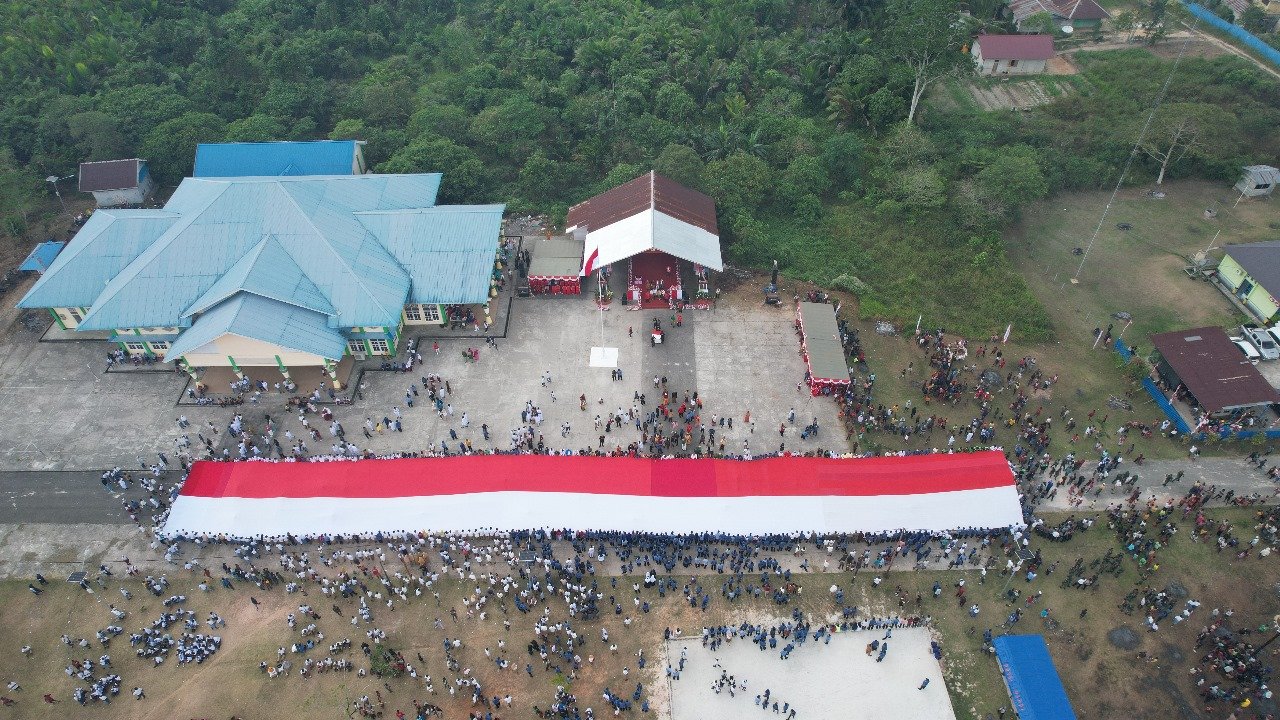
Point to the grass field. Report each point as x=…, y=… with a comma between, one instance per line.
x=1101, y=679
x=1139, y=271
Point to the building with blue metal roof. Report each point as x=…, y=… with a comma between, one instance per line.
x=274, y=271
x=1031, y=678
x=250, y=159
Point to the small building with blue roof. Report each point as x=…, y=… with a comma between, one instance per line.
x=290, y=158
x=1031, y=678
x=279, y=272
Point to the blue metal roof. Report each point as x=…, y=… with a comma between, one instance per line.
x=108, y=242
x=248, y=159
x=270, y=321
x=448, y=250
x=312, y=219
x=269, y=271
x=42, y=256
x=1032, y=680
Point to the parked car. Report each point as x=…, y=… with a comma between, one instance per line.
x=1247, y=349
x=1274, y=332
x=1262, y=340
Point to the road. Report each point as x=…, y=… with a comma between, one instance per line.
x=55, y=497
x=1233, y=473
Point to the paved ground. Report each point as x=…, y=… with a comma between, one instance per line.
x=821, y=680
x=61, y=412
x=57, y=497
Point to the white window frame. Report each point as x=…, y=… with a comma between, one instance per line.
x=160, y=345
x=379, y=346
x=355, y=345
x=413, y=313
x=75, y=315
x=135, y=346
x=431, y=313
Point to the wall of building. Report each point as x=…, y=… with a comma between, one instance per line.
x=425, y=314
x=372, y=340
x=1258, y=299
x=248, y=353
x=69, y=318
x=1018, y=67
x=113, y=198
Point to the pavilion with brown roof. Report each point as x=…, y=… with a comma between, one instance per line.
x=654, y=223
x=1204, y=364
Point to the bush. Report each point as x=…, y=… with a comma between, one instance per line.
x=386, y=662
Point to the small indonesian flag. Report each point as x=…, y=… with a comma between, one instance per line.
x=591, y=262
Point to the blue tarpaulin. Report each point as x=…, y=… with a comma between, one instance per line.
x=42, y=257
x=1032, y=679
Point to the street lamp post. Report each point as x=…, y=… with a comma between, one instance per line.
x=54, y=180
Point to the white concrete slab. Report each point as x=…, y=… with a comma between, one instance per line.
x=821, y=681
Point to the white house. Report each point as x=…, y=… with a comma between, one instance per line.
x=1012, y=54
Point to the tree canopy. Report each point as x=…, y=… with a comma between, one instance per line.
x=808, y=121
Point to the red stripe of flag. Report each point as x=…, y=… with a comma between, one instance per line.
x=774, y=477
x=591, y=262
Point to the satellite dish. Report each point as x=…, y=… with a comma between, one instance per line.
x=1067, y=29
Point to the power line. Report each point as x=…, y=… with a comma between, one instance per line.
x=1137, y=147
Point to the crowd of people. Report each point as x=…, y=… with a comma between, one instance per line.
x=558, y=593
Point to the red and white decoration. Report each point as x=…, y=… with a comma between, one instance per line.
x=497, y=493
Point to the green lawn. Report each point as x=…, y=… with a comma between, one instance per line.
x=1139, y=271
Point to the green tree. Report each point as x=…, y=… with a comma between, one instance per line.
x=257, y=128
x=98, y=136
x=925, y=36
x=1041, y=22
x=1125, y=22
x=680, y=163
x=737, y=182
x=1013, y=178
x=171, y=146
x=538, y=177
x=465, y=179
x=804, y=181
x=1180, y=131
x=1255, y=20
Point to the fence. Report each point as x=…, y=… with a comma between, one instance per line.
x=1156, y=394
x=1253, y=42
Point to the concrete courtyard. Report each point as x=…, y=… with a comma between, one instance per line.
x=60, y=411
x=822, y=681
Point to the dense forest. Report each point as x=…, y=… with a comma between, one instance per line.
x=808, y=121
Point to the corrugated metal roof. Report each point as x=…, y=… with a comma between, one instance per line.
x=42, y=256
x=558, y=256
x=822, y=341
x=651, y=212
x=108, y=242
x=1213, y=369
x=448, y=250
x=263, y=319
x=250, y=159
x=312, y=219
x=1015, y=47
x=269, y=271
x=110, y=175
x=1261, y=260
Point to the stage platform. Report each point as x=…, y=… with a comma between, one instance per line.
x=498, y=493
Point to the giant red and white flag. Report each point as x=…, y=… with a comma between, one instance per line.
x=590, y=263
x=498, y=493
